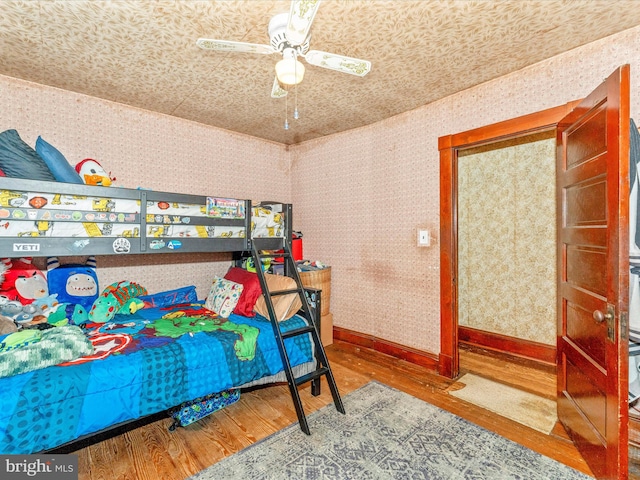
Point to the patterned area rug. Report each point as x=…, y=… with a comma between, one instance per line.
x=387, y=434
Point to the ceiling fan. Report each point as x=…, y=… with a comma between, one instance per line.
x=289, y=35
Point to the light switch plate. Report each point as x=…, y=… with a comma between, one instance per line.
x=424, y=239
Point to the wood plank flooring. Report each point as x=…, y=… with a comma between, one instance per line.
x=152, y=452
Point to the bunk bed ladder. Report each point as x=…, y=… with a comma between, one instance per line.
x=323, y=368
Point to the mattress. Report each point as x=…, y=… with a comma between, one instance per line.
x=143, y=363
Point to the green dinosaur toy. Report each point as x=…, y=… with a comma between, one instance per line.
x=118, y=297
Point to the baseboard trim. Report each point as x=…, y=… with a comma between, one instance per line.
x=539, y=352
x=418, y=357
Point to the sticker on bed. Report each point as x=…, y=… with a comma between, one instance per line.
x=224, y=208
x=26, y=247
x=121, y=245
x=157, y=244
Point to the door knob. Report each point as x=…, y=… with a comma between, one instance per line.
x=600, y=317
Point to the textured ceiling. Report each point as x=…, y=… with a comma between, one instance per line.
x=143, y=54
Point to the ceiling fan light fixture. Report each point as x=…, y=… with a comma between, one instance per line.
x=289, y=71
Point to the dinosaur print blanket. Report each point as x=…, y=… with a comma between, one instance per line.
x=142, y=363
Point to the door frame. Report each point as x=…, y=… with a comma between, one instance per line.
x=449, y=147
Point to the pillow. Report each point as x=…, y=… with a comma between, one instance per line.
x=285, y=306
x=59, y=166
x=252, y=290
x=170, y=297
x=19, y=160
x=223, y=296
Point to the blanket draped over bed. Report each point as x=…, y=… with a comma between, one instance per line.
x=142, y=363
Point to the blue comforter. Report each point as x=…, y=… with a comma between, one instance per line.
x=143, y=363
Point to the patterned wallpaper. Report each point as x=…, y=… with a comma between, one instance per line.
x=359, y=197
x=149, y=150
x=507, y=239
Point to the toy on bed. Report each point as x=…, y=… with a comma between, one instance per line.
x=37, y=312
x=74, y=283
x=24, y=296
x=7, y=325
x=92, y=173
x=20, y=280
x=120, y=297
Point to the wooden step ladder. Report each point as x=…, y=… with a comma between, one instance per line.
x=261, y=249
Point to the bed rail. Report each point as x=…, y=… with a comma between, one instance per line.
x=62, y=219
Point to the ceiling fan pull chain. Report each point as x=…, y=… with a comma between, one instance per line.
x=286, y=113
x=296, y=115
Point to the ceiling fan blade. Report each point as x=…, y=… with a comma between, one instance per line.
x=340, y=63
x=301, y=15
x=229, y=46
x=277, y=91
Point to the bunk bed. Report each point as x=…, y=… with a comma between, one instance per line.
x=154, y=358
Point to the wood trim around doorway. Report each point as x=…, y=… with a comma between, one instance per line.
x=517, y=347
x=449, y=146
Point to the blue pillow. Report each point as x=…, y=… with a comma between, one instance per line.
x=19, y=160
x=170, y=297
x=59, y=166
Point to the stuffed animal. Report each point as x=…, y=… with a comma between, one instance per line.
x=7, y=325
x=33, y=313
x=68, y=314
x=22, y=281
x=92, y=173
x=118, y=297
x=78, y=315
x=45, y=304
x=76, y=284
x=15, y=311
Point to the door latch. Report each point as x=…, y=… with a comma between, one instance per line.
x=610, y=317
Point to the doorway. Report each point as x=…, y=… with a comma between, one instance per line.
x=592, y=269
x=452, y=148
x=506, y=219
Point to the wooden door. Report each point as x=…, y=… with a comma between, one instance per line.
x=593, y=270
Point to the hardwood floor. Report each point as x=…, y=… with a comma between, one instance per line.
x=152, y=452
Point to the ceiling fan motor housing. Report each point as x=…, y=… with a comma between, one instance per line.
x=278, y=39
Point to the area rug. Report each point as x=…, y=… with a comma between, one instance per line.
x=523, y=407
x=387, y=434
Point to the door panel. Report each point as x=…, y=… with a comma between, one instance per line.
x=587, y=210
x=581, y=382
x=586, y=268
x=588, y=139
x=593, y=269
x=587, y=334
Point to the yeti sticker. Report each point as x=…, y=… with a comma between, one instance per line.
x=26, y=247
x=121, y=245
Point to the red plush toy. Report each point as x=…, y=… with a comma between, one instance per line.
x=92, y=173
x=22, y=281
